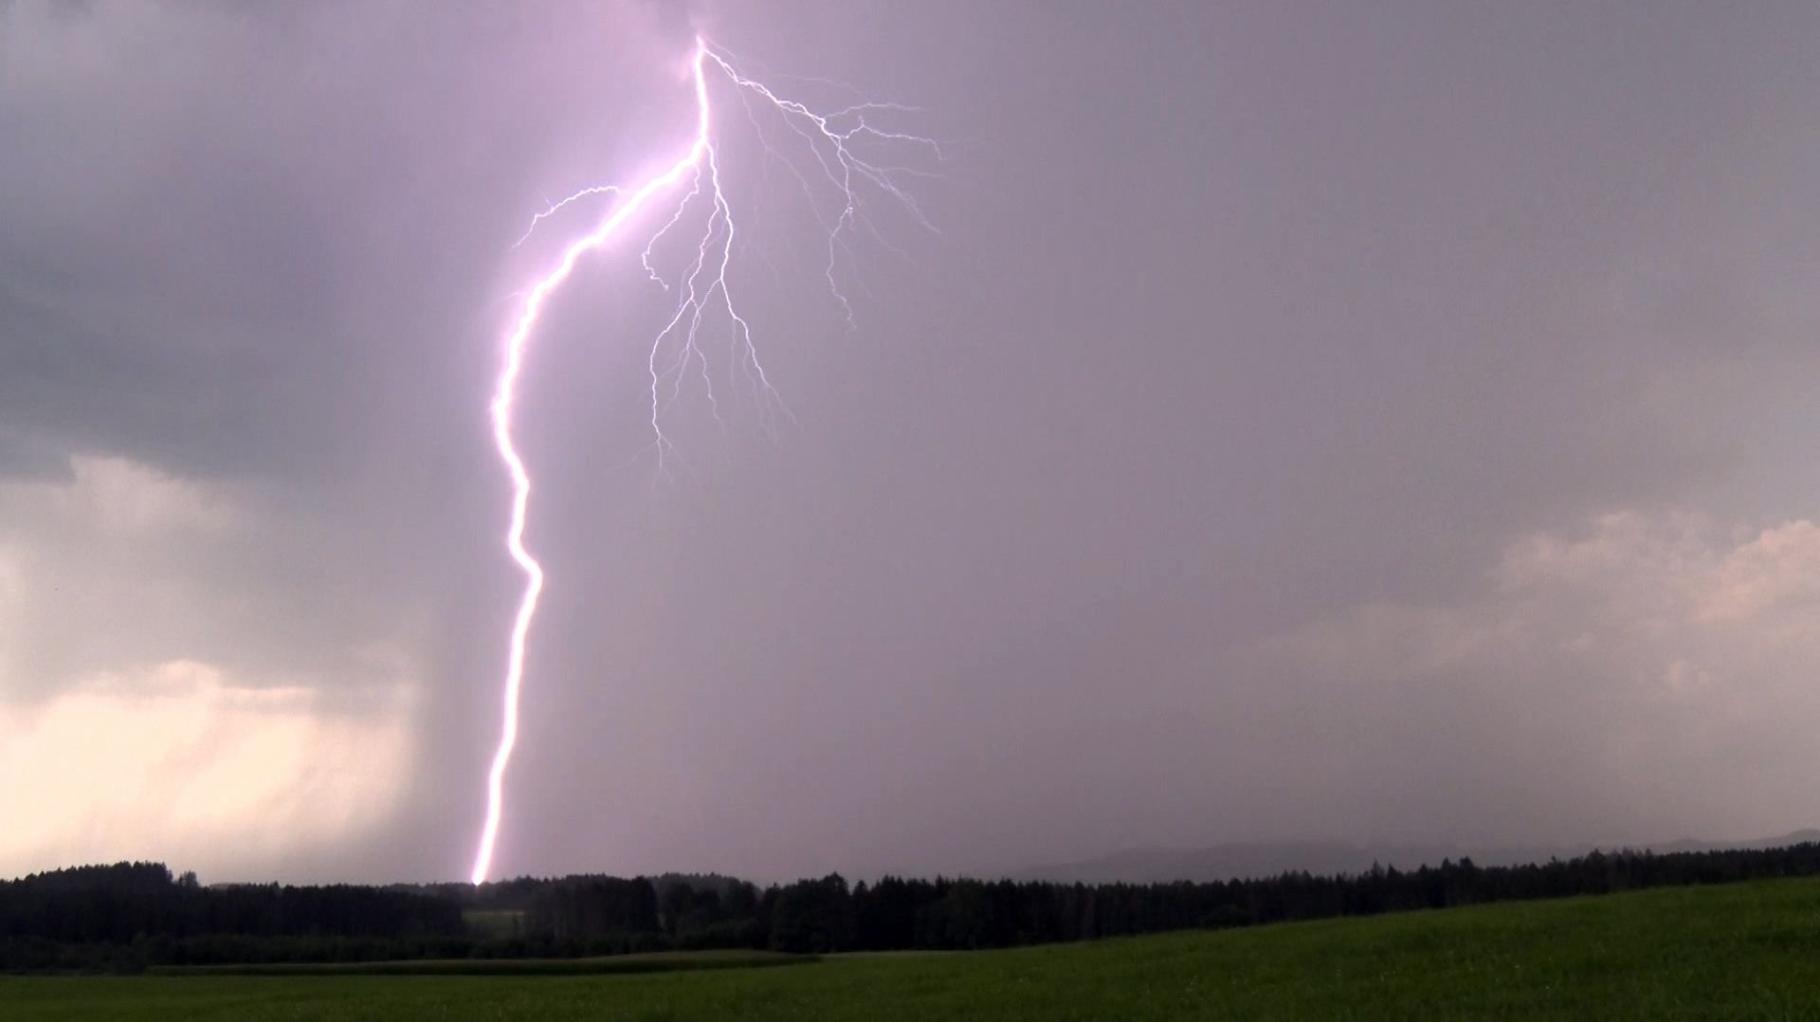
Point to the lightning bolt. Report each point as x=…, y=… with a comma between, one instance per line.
x=836, y=143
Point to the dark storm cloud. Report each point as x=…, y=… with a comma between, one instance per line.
x=1188, y=487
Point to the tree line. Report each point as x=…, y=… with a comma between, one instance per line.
x=127, y=916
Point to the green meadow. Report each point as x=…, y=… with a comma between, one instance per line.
x=1749, y=951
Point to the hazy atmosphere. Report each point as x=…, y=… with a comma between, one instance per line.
x=1383, y=423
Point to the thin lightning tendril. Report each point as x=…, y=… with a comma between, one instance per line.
x=701, y=289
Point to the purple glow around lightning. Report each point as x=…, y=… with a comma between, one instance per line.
x=830, y=140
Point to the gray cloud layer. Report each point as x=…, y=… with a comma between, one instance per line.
x=1310, y=421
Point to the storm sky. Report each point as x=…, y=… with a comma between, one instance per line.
x=1390, y=422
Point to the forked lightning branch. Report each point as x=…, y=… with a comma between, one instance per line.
x=837, y=160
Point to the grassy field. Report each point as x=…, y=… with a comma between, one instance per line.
x=656, y=961
x=1745, y=951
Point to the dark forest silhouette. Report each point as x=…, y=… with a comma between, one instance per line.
x=128, y=916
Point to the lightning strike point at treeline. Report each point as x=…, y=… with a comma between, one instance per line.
x=834, y=143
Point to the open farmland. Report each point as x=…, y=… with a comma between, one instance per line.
x=1739, y=951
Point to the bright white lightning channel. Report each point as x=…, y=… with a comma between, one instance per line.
x=830, y=140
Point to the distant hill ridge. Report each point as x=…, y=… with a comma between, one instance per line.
x=1254, y=859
